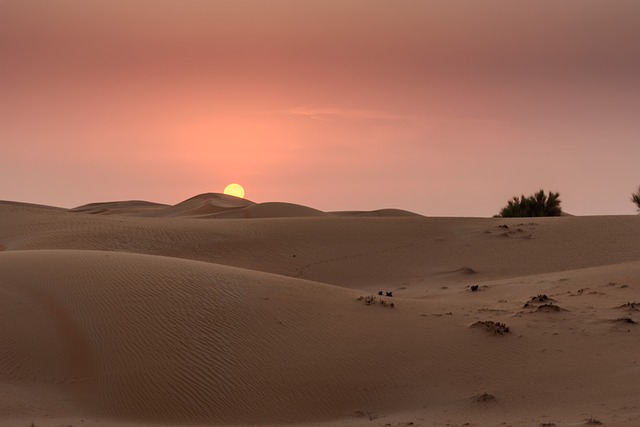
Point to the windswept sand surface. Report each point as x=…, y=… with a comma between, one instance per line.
x=221, y=311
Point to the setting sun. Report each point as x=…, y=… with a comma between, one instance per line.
x=234, y=190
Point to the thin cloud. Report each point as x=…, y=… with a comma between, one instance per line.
x=333, y=113
x=419, y=120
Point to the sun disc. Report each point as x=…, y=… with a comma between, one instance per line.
x=235, y=190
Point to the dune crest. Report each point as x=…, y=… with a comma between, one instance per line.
x=216, y=205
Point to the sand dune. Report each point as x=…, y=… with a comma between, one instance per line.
x=147, y=314
x=202, y=205
x=375, y=213
x=272, y=210
x=129, y=207
x=214, y=205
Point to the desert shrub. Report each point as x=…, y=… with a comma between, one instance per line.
x=370, y=299
x=484, y=398
x=635, y=198
x=631, y=306
x=494, y=328
x=538, y=204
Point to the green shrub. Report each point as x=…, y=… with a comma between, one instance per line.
x=635, y=198
x=538, y=204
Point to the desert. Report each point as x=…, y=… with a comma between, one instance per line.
x=221, y=311
x=331, y=213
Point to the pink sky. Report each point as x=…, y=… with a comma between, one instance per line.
x=439, y=107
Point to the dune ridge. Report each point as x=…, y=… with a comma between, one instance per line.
x=112, y=314
x=215, y=205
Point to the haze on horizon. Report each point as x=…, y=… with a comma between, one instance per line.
x=438, y=107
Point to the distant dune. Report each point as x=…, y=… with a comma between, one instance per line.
x=136, y=313
x=378, y=213
x=203, y=205
x=130, y=207
x=214, y=205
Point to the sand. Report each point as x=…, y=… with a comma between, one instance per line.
x=221, y=311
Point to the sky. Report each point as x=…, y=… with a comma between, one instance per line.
x=441, y=107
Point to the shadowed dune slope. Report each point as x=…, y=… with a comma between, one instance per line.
x=151, y=339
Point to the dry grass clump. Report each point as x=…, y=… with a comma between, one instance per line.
x=538, y=299
x=371, y=299
x=631, y=306
x=593, y=422
x=484, y=398
x=494, y=328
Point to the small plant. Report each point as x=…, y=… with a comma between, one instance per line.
x=631, y=306
x=388, y=304
x=494, y=328
x=593, y=422
x=370, y=299
x=538, y=299
x=635, y=198
x=538, y=204
x=484, y=397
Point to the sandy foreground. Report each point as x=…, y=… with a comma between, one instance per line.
x=219, y=311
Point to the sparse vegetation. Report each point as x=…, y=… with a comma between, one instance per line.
x=494, y=328
x=538, y=204
x=593, y=422
x=635, y=198
x=370, y=299
x=631, y=306
x=484, y=397
x=538, y=299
